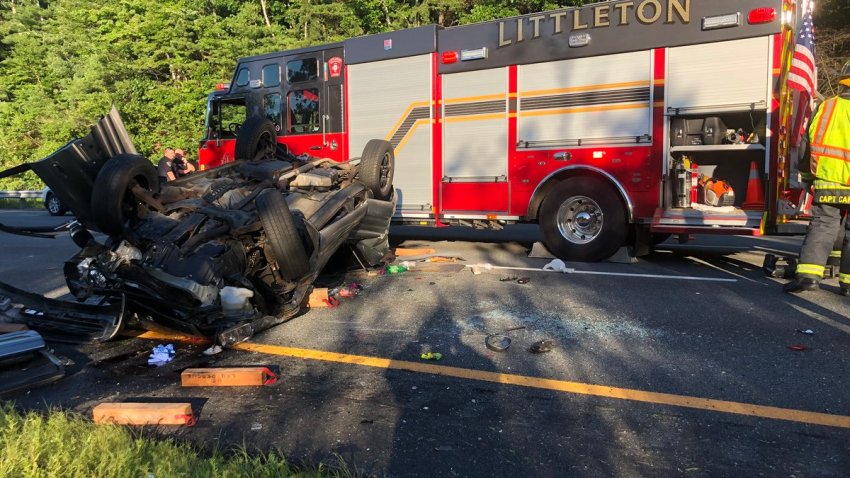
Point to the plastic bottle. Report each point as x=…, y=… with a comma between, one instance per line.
x=393, y=269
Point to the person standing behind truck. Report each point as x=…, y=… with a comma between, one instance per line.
x=181, y=166
x=165, y=168
x=829, y=165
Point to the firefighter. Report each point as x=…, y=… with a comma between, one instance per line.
x=829, y=165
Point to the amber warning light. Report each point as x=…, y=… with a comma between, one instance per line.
x=761, y=15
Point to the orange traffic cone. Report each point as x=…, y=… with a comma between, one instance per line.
x=755, y=193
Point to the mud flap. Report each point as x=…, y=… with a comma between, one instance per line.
x=62, y=321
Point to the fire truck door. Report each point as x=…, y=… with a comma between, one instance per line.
x=313, y=105
x=475, y=142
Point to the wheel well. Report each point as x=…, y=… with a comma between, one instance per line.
x=555, y=179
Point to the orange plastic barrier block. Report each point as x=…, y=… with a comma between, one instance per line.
x=399, y=252
x=228, y=377
x=318, y=298
x=144, y=414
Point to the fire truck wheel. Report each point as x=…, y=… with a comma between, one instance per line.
x=256, y=139
x=112, y=203
x=282, y=235
x=377, y=165
x=583, y=219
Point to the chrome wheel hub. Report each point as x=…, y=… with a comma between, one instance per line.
x=580, y=219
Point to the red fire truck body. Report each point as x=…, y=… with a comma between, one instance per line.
x=594, y=122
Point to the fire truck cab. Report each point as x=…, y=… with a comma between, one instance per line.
x=616, y=123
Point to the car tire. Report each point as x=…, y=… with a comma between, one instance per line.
x=54, y=205
x=583, y=219
x=112, y=203
x=256, y=138
x=377, y=166
x=282, y=235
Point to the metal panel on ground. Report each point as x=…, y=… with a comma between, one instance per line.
x=391, y=100
x=731, y=73
x=475, y=130
x=571, y=102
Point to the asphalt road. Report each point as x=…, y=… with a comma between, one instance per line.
x=653, y=374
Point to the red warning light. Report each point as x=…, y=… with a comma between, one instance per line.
x=449, y=57
x=761, y=15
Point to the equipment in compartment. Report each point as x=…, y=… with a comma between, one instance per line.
x=685, y=184
x=715, y=192
x=697, y=131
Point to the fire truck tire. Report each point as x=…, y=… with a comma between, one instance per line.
x=282, y=235
x=583, y=219
x=377, y=165
x=257, y=139
x=112, y=203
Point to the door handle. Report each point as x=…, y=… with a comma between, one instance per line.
x=563, y=156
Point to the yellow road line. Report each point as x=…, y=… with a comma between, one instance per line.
x=723, y=406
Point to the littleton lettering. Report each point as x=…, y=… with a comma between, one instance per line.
x=646, y=12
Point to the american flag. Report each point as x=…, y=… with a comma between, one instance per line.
x=803, y=76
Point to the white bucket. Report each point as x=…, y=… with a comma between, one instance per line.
x=234, y=300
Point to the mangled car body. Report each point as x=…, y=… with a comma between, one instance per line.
x=225, y=252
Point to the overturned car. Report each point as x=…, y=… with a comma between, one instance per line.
x=225, y=252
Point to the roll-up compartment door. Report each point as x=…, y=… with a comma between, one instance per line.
x=475, y=126
x=720, y=76
x=392, y=100
x=585, y=100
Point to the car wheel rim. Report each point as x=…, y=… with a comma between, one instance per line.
x=53, y=205
x=580, y=219
x=385, y=170
x=266, y=147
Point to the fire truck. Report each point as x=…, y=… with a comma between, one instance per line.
x=613, y=124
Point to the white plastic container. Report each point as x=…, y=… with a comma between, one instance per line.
x=234, y=300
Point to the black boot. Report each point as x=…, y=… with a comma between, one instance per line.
x=801, y=284
x=845, y=289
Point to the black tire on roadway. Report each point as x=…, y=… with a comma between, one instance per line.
x=54, y=205
x=377, y=166
x=282, y=235
x=112, y=203
x=256, y=136
x=583, y=219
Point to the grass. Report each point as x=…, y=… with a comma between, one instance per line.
x=62, y=444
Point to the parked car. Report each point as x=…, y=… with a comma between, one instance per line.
x=52, y=203
x=225, y=252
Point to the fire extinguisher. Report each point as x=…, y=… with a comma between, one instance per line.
x=682, y=183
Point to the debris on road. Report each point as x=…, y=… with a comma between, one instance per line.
x=542, y=346
x=508, y=279
x=798, y=348
x=161, y=355
x=213, y=350
x=33, y=364
x=431, y=356
x=558, y=266
x=393, y=269
x=228, y=377
x=523, y=280
x=144, y=414
x=807, y=331
x=403, y=252
x=442, y=259
x=256, y=426
x=497, y=342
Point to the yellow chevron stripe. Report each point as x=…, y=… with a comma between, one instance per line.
x=404, y=115
x=410, y=134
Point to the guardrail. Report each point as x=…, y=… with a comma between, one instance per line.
x=22, y=196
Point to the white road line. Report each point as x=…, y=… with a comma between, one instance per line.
x=600, y=273
x=820, y=318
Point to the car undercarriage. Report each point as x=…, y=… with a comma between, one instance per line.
x=225, y=252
